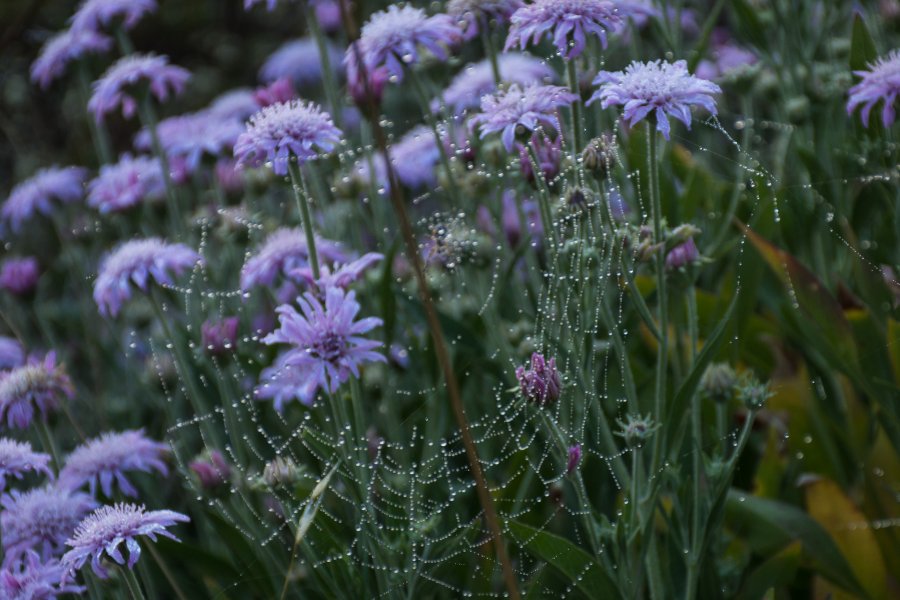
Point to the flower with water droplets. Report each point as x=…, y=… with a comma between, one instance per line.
x=327, y=341
x=476, y=80
x=881, y=83
x=636, y=429
x=211, y=469
x=474, y=16
x=219, y=335
x=18, y=458
x=569, y=20
x=517, y=112
x=284, y=251
x=38, y=384
x=540, y=384
x=94, y=15
x=137, y=261
x=105, y=529
x=107, y=458
x=298, y=61
x=390, y=39
x=64, y=48
x=19, y=276
x=120, y=84
x=31, y=579
x=126, y=183
x=40, y=519
x=339, y=275
x=574, y=457
x=284, y=130
x=37, y=194
x=656, y=87
x=12, y=354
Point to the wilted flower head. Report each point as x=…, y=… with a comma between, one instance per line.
x=37, y=384
x=391, y=39
x=94, y=15
x=517, y=112
x=11, y=353
x=40, y=519
x=192, y=136
x=136, y=262
x=218, y=336
x=659, y=87
x=338, y=275
x=19, y=276
x=117, y=86
x=278, y=131
x=211, y=469
x=327, y=343
x=62, y=49
x=298, y=61
x=881, y=83
x=105, y=529
x=18, y=458
x=31, y=579
x=540, y=384
x=569, y=20
x=475, y=15
x=284, y=251
x=107, y=458
x=476, y=80
x=36, y=194
x=126, y=184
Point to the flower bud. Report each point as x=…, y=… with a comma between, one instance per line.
x=219, y=336
x=718, y=382
x=682, y=255
x=636, y=430
x=754, y=393
x=281, y=472
x=19, y=276
x=211, y=469
x=574, y=458
x=540, y=384
x=599, y=156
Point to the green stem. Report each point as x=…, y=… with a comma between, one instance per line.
x=429, y=117
x=577, y=124
x=47, y=442
x=300, y=193
x=698, y=471
x=99, y=135
x=124, y=42
x=327, y=73
x=662, y=299
x=150, y=121
x=543, y=198
x=491, y=50
x=134, y=587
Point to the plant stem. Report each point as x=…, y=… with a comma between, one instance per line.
x=662, y=300
x=134, y=586
x=543, y=198
x=102, y=144
x=300, y=193
x=577, y=124
x=491, y=50
x=47, y=442
x=148, y=117
x=429, y=117
x=327, y=73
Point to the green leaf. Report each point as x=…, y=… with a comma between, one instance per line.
x=769, y=525
x=777, y=571
x=571, y=561
x=749, y=23
x=862, y=48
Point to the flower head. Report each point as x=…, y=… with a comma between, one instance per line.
x=37, y=384
x=31, y=579
x=659, y=87
x=218, y=336
x=40, y=519
x=476, y=80
x=682, y=255
x=237, y=104
x=569, y=20
x=414, y=157
x=35, y=195
x=11, y=353
x=117, y=86
x=475, y=15
x=518, y=112
x=107, y=458
x=391, y=39
x=549, y=157
x=280, y=90
x=327, y=343
x=881, y=83
x=540, y=384
x=94, y=15
x=18, y=458
x=283, y=252
x=126, y=184
x=136, y=262
x=338, y=275
x=211, y=469
x=62, y=49
x=105, y=529
x=192, y=136
x=573, y=459
x=298, y=61
x=281, y=130
x=19, y=276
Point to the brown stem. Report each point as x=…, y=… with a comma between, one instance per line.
x=434, y=325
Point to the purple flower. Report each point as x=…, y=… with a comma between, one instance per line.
x=11, y=354
x=136, y=262
x=540, y=384
x=107, y=458
x=220, y=335
x=280, y=90
x=638, y=11
x=278, y=131
x=270, y=4
x=573, y=459
x=104, y=530
x=94, y=15
x=475, y=15
x=18, y=458
x=35, y=195
x=569, y=21
x=549, y=156
x=328, y=14
x=126, y=184
x=19, y=276
x=476, y=80
x=726, y=57
x=192, y=136
x=391, y=39
x=283, y=252
x=682, y=255
x=881, y=83
x=40, y=519
x=518, y=112
x=415, y=156
x=659, y=87
x=298, y=60
x=117, y=86
x=212, y=470
x=340, y=275
x=327, y=343
x=37, y=384
x=63, y=48
x=31, y=579
x=235, y=104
